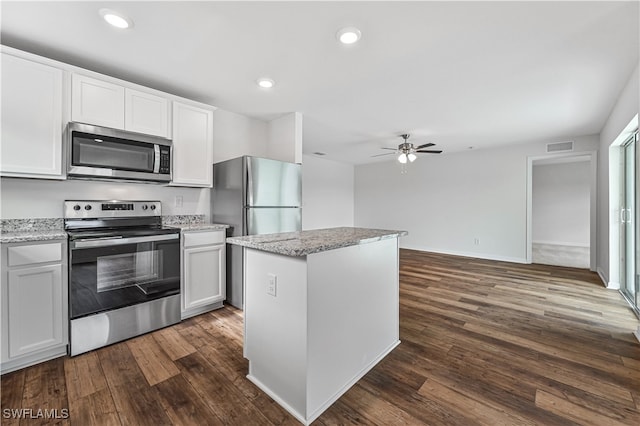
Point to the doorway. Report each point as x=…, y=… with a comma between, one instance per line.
x=561, y=201
x=589, y=160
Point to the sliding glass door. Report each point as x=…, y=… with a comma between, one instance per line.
x=630, y=219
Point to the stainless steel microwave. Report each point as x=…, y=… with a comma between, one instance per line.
x=110, y=154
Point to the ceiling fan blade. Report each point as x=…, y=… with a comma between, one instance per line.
x=394, y=149
x=426, y=145
x=386, y=153
x=430, y=151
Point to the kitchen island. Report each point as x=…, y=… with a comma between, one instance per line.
x=321, y=310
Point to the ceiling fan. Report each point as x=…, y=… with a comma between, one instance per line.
x=407, y=152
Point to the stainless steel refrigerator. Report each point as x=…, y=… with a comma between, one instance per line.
x=255, y=196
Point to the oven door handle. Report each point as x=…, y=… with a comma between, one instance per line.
x=117, y=241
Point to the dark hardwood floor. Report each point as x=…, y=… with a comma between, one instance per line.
x=483, y=343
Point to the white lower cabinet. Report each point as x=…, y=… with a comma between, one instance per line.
x=203, y=271
x=34, y=303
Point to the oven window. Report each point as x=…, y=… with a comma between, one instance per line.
x=112, y=277
x=128, y=269
x=112, y=153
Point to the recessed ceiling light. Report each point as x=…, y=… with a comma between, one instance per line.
x=116, y=19
x=266, y=83
x=349, y=35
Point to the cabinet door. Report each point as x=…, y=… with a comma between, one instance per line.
x=35, y=309
x=97, y=102
x=146, y=113
x=32, y=124
x=192, y=145
x=204, y=276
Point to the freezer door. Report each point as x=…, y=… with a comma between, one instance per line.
x=227, y=200
x=272, y=220
x=272, y=183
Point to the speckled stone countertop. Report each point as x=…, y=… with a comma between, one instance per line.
x=26, y=230
x=179, y=220
x=313, y=241
x=43, y=229
x=194, y=222
x=199, y=226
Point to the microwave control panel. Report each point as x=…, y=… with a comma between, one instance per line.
x=165, y=160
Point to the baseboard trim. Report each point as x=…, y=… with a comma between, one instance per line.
x=470, y=254
x=603, y=277
x=313, y=416
x=561, y=243
x=558, y=254
x=611, y=285
x=310, y=418
x=33, y=359
x=200, y=310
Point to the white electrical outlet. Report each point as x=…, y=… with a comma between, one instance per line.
x=272, y=284
x=178, y=201
x=476, y=241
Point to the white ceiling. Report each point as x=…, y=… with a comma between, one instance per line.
x=458, y=74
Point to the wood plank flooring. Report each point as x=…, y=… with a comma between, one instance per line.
x=483, y=343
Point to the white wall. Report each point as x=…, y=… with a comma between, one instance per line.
x=327, y=193
x=235, y=135
x=627, y=106
x=284, y=141
x=448, y=201
x=37, y=198
x=561, y=203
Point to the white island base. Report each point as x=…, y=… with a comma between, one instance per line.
x=315, y=324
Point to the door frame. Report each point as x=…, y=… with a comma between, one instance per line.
x=593, y=205
x=614, y=202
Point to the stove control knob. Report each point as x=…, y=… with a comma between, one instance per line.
x=87, y=207
x=153, y=206
x=144, y=207
x=76, y=207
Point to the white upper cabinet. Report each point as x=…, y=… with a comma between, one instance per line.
x=32, y=119
x=102, y=103
x=97, y=102
x=146, y=113
x=192, y=145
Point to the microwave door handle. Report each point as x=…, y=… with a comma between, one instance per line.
x=156, y=160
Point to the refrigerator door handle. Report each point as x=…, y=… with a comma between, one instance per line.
x=249, y=200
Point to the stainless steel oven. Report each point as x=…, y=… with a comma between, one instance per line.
x=124, y=271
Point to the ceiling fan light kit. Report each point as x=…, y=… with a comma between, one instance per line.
x=407, y=152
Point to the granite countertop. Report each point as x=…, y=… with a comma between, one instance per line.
x=199, y=226
x=36, y=229
x=34, y=235
x=44, y=229
x=313, y=241
x=191, y=223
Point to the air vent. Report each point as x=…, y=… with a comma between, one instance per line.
x=560, y=146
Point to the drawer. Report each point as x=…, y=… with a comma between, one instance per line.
x=37, y=253
x=204, y=238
